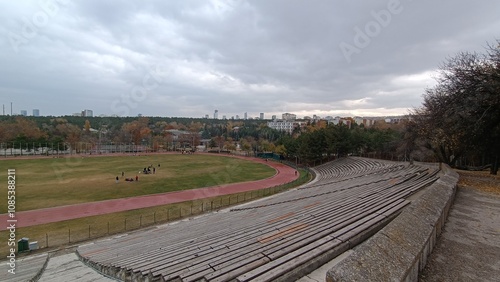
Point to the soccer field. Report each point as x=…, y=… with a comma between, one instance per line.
x=50, y=182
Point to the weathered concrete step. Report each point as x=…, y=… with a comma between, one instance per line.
x=69, y=268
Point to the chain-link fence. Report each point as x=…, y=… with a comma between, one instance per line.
x=13, y=149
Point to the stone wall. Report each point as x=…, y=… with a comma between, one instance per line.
x=400, y=250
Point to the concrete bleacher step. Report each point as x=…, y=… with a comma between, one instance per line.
x=68, y=267
x=26, y=268
x=276, y=238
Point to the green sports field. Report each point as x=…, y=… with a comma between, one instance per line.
x=50, y=182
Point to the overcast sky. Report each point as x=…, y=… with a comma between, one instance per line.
x=188, y=58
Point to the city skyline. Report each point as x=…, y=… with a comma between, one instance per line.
x=245, y=116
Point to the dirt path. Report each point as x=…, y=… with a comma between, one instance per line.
x=284, y=174
x=469, y=247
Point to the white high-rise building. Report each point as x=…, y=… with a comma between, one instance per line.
x=216, y=114
x=36, y=112
x=87, y=113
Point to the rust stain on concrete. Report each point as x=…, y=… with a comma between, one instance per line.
x=281, y=217
x=284, y=232
x=312, y=205
x=394, y=181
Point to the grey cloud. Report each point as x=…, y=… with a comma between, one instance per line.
x=235, y=56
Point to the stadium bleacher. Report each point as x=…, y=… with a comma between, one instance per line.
x=279, y=238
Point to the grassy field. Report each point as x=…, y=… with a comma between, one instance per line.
x=49, y=182
x=57, y=234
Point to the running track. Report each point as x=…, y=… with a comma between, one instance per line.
x=284, y=174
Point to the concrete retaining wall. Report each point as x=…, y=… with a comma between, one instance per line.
x=400, y=250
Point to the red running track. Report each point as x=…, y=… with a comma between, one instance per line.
x=284, y=174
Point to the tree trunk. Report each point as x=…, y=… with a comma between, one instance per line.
x=442, y=156
x=454, y=160
x=494, y=165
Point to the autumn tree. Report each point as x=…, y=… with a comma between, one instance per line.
x=280, y=150
x=69, y=132
x=460, y=116
x=21, y=130
x=245, y=145
x=137, y=130
x=87, y=126
x=229, y=144
x=195, y=126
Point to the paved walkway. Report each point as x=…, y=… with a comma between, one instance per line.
x=284, y=174
x=469, y=247
x=69, y=268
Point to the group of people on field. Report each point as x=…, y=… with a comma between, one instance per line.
x=147, y=170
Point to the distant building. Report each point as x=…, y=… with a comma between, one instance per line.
x=24, y=112
x=261, y=116
x=363, y=121
x=339, y=120
x=224, y=117
x=206, y=116
x=36, y=112
x=273, y=117
x=216, y=114
x=237, y=117
x=288, y=116
x=246, y=115
x=87, y=113
x=395, y=120
x=282, y=125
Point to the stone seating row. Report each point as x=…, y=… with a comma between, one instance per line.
x=280, y=237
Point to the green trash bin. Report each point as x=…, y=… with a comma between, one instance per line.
x=23, y=245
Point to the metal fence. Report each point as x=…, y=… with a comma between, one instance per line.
x=14, y=149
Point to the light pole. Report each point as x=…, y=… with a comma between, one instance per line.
x=99, y=144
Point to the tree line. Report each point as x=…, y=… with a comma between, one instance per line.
x=312, y=143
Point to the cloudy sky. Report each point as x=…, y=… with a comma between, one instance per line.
x=188, y=58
